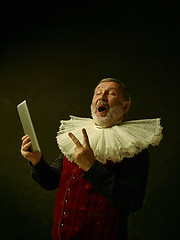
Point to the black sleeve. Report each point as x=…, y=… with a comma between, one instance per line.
x=125, y=183
x=46, y=175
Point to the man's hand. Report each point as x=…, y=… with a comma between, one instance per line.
x=33, y=157
x=83, y=153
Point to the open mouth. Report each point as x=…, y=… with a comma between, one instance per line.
x=102, y=109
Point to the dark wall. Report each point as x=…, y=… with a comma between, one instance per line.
x=53, y=56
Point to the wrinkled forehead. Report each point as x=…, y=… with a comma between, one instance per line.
x=109, y=86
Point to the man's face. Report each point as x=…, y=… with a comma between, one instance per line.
x=108, y=105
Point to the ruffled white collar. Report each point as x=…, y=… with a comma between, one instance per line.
x=114, y=143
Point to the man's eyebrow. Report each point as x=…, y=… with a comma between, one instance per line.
x=97, y=88
x=111, y=88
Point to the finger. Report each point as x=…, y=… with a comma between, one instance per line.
x=26, y=154
x=85, y=137
x=26, y=140
x=75, y=140
x=24, y=137
x=26, y=146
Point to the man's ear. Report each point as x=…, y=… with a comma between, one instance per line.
x=126, y=106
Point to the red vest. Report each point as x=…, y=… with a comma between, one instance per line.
x=80, y=212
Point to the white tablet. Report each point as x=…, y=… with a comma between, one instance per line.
x=28, y=125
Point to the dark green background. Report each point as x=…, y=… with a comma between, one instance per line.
x=53, y=56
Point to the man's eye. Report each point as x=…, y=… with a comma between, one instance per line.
x=98, y=93
x=112, y=93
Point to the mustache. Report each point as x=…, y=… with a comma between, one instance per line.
x=102, y=103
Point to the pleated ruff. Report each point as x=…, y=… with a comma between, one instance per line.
x=113, y=143
x=80, y=212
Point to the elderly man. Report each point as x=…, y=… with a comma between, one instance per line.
x=98, y=183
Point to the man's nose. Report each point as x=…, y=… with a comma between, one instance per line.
x=104, y=99
x=104, y=96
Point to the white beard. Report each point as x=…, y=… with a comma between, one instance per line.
x=112, y=115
